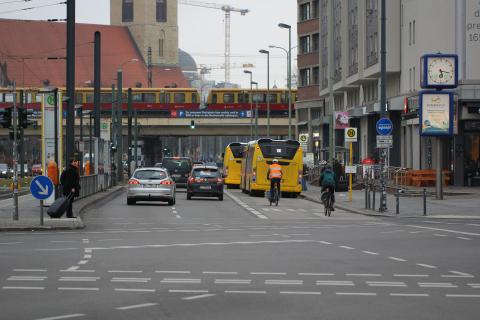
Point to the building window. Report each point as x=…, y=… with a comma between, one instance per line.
x=316, y=75
x=305, y=44
x=324, y=43
x=305, y=11
x=305, y=77
x=160, y=47
x=371, y=51
x=410, y=34
x=161, y=10
x=337, y=36
x=315, y=42
x=352, y=37
x=315, y=7
x=127, y=10
x=413, y=32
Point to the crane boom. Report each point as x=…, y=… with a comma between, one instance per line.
x=227, y=9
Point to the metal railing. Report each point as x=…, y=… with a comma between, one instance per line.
x=88, y=185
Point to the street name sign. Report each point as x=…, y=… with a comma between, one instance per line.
x=41, y=187
x=384, y=142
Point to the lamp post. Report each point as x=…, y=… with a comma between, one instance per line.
x=256, y=110
x=268, y=89
x=251, y=103
x=289, y=70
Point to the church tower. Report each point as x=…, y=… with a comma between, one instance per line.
x=152, y=23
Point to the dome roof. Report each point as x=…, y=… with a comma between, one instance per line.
x=186, y=61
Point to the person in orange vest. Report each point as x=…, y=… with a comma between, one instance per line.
x=274, y=175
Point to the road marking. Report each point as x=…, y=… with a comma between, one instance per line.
x=30, y=270
x=67, y=316
x=355, y=293
x=143, y=305
x=474, y=285
x=178, y=216
x=315, y=274
x=134, y=290
x=301, y=292
x=90, y=250
x=87, y=256
x=436, y=285
x=62, y=241
x=363, y=274
x=426, y=265
x=447, y=230
x=199, y=296
x=219, y=272
x=83, y=262
x=100, y=240
x=58, y=249
x=75, y=269
x=233, y=281
x=324, y=242
x=174, y=272
x=458, y=274
x=79, y=279
x=393, y=231
x=269, y=273
x=370, y=252
x=409, y=294
x=246, y=291
x=464, y=238
x=385, y=284
x=243, y=205
x=125, y=271
x=440, y=235
x=180, y=280
x=78, y=289
x=463, y=295
x=141, y=280
x=412, y=275
x=187, y=291
x=22, y=288
x=7, y=243
x=284, y=282
x=397, y=259
x=347, y=247
x=335, y=283
x=26, y=278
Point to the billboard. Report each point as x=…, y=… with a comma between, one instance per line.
x=341, y=120
x=210, y=114
x=436, y=113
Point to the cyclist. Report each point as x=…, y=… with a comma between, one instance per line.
x=328, y=181
x=275, y=176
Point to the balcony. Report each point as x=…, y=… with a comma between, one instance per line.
x=310, y=92
x=308, y=59
x=308, y=26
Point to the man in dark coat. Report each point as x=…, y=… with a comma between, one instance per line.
x=70, y=181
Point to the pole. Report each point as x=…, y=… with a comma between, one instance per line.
x=383, y=103
x=424, y=201
x=439, y=180
x=15, y=153
x=55, y=117
x=119, y=127
x=21, y=149
x=113, y=134
x=70, y=128
x=289, y=81
x=96, y=82
x=41, y=212
x=81, y=139
x=256, y=115
x=331, y=72
x=251, y=108
x=350, y=193
x=268, y=94
x=129, y=136
x=90, y=144
x=135, y=143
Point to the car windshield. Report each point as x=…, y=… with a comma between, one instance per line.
x=150, y=175
x=3, y=166
x=206, y=173
x=179, y=164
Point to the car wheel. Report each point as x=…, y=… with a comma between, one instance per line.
x=131, y=202
x=220, y=197
x=171, y=202
x=189, y=196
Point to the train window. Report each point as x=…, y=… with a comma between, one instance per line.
x=89, y=98
x=214, y=98
x=259, y=97
x=194, y=97
x=179, y=98
x=105, y=98
x=137, y=97
x=243, y=97
x=8, y=97
x=2, y=99
x=272, y=98
x=79, y=98
x=149, y=98
x=164, y=97
x=228, y=98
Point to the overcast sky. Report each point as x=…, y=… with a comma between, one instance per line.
x=202, y=32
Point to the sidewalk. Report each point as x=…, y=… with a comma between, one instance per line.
x=453, y=206
x=29, y=212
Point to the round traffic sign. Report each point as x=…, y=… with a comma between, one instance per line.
x=384, y=127
x=303, y=138
x=41, y=187
x=351, y=133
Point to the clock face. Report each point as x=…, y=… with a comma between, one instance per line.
x=441, y=70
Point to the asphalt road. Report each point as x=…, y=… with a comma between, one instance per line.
x=242, y=259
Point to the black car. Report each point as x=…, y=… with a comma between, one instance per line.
x=179, y=169
x=205, y=181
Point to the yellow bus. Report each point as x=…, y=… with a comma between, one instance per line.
x=258, y=156
x=232, y=163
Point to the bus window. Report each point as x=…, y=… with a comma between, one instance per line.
x=272, y=98
x=214, y=98
x=228, y=98
x=179, y=98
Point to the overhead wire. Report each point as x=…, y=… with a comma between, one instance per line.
x=35, y=7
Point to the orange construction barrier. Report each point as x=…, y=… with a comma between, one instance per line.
x=87, y=168
x=52, y=171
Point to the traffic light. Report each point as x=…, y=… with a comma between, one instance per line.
x=192, y=124
x=23, y=114
x=6, y=117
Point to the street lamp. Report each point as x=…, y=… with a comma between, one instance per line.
x=289, y=70
x=256, y=109
x=128, y=61
x=268, y=89
x=251, y=103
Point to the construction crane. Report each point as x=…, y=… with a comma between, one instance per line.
x=206, y=68
x=227, y=9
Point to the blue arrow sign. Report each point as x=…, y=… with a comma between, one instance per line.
x=384, y=127
x=41, y=187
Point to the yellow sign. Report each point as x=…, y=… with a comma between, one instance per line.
x=350, y=134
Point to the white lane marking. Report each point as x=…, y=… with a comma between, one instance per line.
x=301, y=292
x=463, y=295
x=291, y=210
x=474, y=285
x=370, y=252
x=62, y=241
x=436, y=285
x=180, y=280
x=284, y=282
x=187, y=291
x=78, y=289
x=385, y=284
x=143, y=305
x=207, y=295
x=22, y=288
x=178, y=216
x=90, y=250
x=174, y=211
x=464, y=238
x=30, y=270
x=447, y=230
x=233, y=281
x=315, y=274
x=174, y=272
x=397, y=259
x=412, y=275
x=392, y=231
x=243, y=205
x=88, y=279
x=100, y=240
x=58, y=249
x=426, y=265
x=26, y=278
x=363, y=274
x=87, y=256
x=75, y=269
x=246, y=291
x=347, y=247
x=219, y=272
x=269, y=273
x=335, y=283
x=355, y=293
x=67, y=316
x=458, y=274
x=300, y=234
x=125, y=271
x=7, y=243
x=324, y=242
x=133, y=290
x=140, y=280
x=409, y=294
x=440, y=235
x=83, y=262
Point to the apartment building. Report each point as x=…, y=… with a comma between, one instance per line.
x=414, y=28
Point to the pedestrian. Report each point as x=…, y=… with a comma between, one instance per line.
x=70, y=181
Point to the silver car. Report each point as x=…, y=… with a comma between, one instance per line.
x=151, y=184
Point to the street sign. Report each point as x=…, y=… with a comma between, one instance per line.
x=384, y=142
x=350, y=169
x=384, y=127
x=303, y=139
x=351, y=135
x=41, y=187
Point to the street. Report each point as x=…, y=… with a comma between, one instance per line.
x=242, y=259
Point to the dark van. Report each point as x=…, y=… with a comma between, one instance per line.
x=179, y=169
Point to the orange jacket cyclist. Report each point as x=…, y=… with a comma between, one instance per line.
x=274, y=175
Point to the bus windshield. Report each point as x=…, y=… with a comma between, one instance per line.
x=237, y=150
x=279, y=149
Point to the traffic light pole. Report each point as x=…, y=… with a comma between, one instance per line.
x=15, y=153
x=135, y=139
x=383, y=104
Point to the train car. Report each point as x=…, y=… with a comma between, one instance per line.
x=28, y=97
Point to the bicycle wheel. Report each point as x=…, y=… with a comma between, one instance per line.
x=270, y=200
x=330, y=204
x=277, y=196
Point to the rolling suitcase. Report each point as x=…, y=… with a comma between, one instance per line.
x=58, y=208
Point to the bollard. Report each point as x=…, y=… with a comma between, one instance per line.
x=366, y=194
x=397, y=196
x=424, y=201
x=373, y=199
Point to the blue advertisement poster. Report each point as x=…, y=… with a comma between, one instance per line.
x=436, y=113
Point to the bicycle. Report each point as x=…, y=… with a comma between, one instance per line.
x=327, y=202
x=275, y=196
